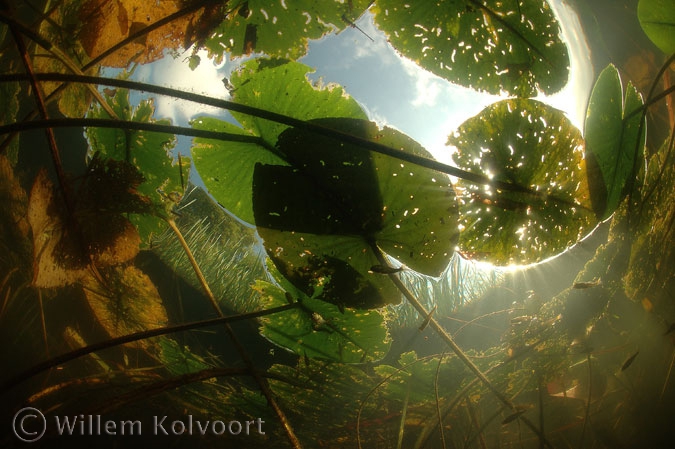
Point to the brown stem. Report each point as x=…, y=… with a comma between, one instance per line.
x=261, y=381
x=445, y=336
x=130, y=338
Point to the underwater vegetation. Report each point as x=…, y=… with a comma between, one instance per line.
x=297, y=275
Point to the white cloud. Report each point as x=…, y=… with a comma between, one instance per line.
x=427, y=85
x=206, y=79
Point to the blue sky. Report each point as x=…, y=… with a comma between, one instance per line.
x=393, y=90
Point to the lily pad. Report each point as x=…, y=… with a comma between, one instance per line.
x=317, y=329
x=279, y=29
x=226, y=167
x=528, y=144
x=493, y=46
x=321, y=217
x=163, y=176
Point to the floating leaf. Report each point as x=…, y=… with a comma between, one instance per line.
x=277, y=28
x=226, y=167
x=611, y=143
x=259, y=82
x=147, y=151
x=417, y=376
x=529, y=144
x=492, y=46
x=320, y=217
x=657, y=18
x=317, y=329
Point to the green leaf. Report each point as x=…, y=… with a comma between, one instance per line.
x=282, y=87
x=657, y=18
x=317, y=329
x=227, y=167
x=147, y=151
x=194, y=61
x=179, y=359
x=279, y=29
x=530, y=144
x=320, y=217
x=509, y=46
x=416, y=377
x=611, y=143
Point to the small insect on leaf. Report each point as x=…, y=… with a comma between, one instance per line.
x=383, y=269
x=629, y=361
x=289, y=297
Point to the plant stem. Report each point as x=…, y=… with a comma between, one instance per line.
x=130, y=338
x=445, y=336
x=261, y=381
x=128, y=125
x=345, y=137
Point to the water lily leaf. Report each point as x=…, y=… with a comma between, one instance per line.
x=98, y=232
x=611, y=143
x=657, y=18
x=103, y=23
x=49, y=269
x=15, y=203
x=163, y=176
x=131, y=305
x=530, y=144
x=227, y=167
x=259, y=82
x=492, y=46
x=320, y=217
x=317, y=329
x=279, y=29
x=414, y=377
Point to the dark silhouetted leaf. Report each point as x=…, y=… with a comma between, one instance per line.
x=227, y=167
x=320, y=217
